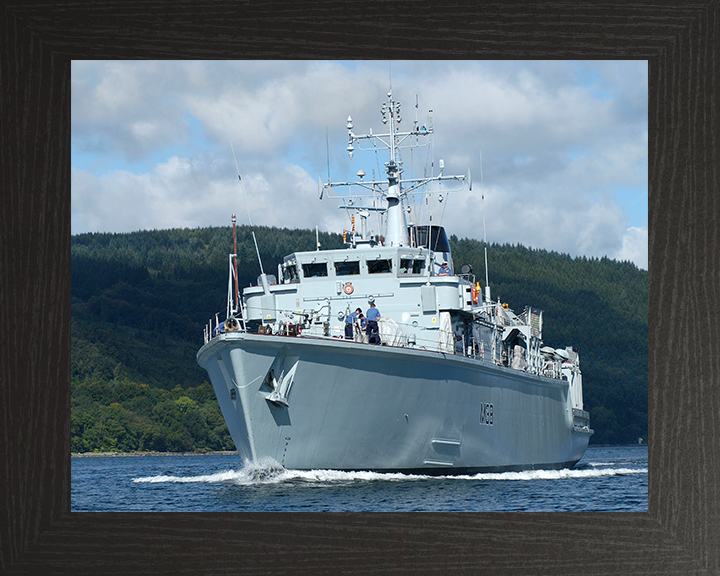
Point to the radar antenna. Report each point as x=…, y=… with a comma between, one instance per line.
x=396, y=189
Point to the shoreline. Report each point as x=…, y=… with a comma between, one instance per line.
x=116, y=454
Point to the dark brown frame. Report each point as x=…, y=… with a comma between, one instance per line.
x=680, y=533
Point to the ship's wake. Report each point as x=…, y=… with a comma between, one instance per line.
x=554, y=474
x=270, y=472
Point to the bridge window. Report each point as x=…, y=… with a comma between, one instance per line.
x=432, y=237
x=290, y=272
x=411, y=266
x=315, y=269
x=347, y=268
x=379, y=266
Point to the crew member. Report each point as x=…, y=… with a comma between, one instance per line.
x=373, y=315
x=360, y=327
x=349, y=323
x=444, y=271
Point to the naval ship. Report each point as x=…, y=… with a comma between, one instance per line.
x=457, y=384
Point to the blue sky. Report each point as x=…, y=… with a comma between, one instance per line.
x=564, y=145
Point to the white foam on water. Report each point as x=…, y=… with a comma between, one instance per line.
x=224, y=476
x=553, y=474
x=270, y=472
x=267, y=472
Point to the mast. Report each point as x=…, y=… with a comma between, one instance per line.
x=396, y=234
x=235, y=262
x=396, y=189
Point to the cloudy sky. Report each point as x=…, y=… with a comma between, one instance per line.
x=564, y=145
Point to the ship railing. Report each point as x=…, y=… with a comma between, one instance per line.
x=432, y=339
x=427, y=338
x=210, y=332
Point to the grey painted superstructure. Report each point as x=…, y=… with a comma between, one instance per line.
x=460, y=383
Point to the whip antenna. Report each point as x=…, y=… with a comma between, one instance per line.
x=327, y=150
x=263, y=278
x=482, y=193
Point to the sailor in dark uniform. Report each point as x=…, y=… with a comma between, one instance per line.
x=349, y=323
x=373, y=314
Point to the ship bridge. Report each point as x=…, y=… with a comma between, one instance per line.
x=404, y=282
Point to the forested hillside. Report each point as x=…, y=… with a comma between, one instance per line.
x=140, y=300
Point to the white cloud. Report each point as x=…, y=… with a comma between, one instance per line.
x=634, y=247
x=185, y=193
x=564, y=145
x=121, y=201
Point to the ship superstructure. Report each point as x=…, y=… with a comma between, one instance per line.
x=460, y=383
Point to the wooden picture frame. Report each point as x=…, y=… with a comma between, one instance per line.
x=680, y=532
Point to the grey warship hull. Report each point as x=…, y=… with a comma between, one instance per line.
x=313, y=403
x=460, y=384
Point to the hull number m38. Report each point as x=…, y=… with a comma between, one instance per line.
x=486, y=414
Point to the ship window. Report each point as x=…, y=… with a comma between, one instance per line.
x=410, y=266
x=379, y=266
x=316, y=269
x=432, y=237
x=291, y=273
x=347, y=268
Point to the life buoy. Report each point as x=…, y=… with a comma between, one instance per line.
x=231, y=325
x=474, y=295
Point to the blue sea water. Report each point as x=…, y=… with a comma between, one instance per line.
x=607, y=479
